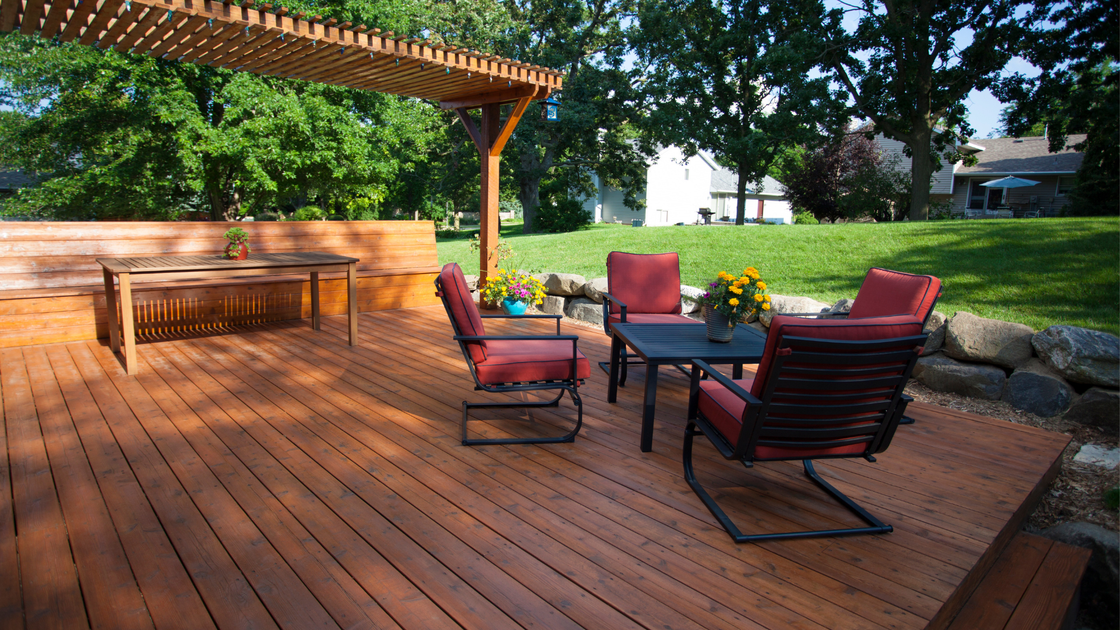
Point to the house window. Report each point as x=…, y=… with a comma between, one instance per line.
x=1065, y=185
x=984, y=197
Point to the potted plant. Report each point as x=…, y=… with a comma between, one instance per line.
x=238, y=247
x=513, y=290
x=733, y=299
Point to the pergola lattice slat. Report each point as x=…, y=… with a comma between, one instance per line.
x=270, y=43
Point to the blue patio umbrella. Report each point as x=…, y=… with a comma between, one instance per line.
x=1009, y=182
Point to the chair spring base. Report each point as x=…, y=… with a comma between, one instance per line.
x=555, y=402
x=875, y=525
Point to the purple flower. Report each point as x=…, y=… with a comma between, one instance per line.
x=707, y=294
x=713, y=284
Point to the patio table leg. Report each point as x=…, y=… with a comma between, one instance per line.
x=648, y=407
x=612, y=381
x=315, y=300
x=352, y=301
x=129, y=331
x=111, y=311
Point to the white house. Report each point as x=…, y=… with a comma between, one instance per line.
x=677, y=189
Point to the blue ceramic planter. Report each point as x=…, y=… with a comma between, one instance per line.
x=513, y=307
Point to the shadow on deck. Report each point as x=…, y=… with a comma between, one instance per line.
x=275, y=476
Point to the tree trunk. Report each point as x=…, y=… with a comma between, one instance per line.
x=530, y=197
x=741, y=196
x=921, y=167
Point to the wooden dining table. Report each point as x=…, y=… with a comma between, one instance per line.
x=153, y=268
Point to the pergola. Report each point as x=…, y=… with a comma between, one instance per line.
x=268, y=40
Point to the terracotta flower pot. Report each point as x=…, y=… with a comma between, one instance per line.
x=237, y=251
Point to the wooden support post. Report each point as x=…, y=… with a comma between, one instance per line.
x=488, y=230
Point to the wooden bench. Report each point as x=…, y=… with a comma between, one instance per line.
x=1035, y=583
x=52, y=290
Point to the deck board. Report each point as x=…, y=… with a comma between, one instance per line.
x=274, y=476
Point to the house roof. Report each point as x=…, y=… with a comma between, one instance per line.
x=11, y=180
x=1023, y=156
x=727, y=181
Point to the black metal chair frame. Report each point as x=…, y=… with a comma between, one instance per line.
x=623, y=359
x=565, y=385
x=890, y=414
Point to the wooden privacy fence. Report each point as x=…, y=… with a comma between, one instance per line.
x=51, y=286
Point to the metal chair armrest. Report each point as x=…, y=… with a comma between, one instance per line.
x=607, y=300
x=515, y=337
x=731, y=385
x=822, y=315
x=528, y=316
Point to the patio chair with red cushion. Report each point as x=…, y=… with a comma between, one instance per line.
x=825, y=389
x=641, y=289
x=512, y=363
x=885, y=292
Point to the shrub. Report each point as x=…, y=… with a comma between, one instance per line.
x=562, y=215
x=804, y=218
x=309, y=213
x=267, y=216
x=336, y=217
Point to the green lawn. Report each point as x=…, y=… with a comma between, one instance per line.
x=1037, y=272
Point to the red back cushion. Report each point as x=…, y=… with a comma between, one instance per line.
x=885, y=292
x=464, y=313
x=646, y=283
x=866, y=329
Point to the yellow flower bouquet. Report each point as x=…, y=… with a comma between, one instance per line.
x=513, y=290
x=737, y=297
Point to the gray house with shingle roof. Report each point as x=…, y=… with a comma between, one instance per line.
x=1026, y=158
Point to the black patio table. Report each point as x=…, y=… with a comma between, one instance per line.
x=670, y=344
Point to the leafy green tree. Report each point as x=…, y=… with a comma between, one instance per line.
x=595, y=136
x=1076, y=45
x=909, y=65
x=731, y=77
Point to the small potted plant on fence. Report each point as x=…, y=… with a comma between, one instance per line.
x=733, y=299
x=238, y=247
x=513, y=290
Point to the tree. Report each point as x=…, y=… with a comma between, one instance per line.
x=909, y=65
x=595, y=135
x=731, y=78
x=845, y=178
x=1076, y=45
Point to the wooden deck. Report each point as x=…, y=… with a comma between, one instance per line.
x=275, y=476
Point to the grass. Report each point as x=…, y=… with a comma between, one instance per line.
x=1036, y=272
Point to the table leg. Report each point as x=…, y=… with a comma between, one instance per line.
x=737, y=371
x=111, y=311
x=315, y=300
x=647, y=407
x=129, y=331
x=352, y=300
x=612, y=380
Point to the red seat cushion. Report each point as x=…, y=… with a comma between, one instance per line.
x=645, y=283
x=464, y=312
x=515, y=361
x=653, y=318
x=885, y=292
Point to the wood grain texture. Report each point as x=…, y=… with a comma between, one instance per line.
x=273, y=478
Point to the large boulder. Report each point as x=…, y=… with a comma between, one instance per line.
x=595, y=288
x=982, y=340
x=566, y=284
x=1035, y=388
x=1097, y=407
x=472, y=282
x=842, y=306
x=690, y=306
x=941, y=373
x=585, y=309
x=791, y=304
x=935, y=327
x=1081, y=355
x=553, y=305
